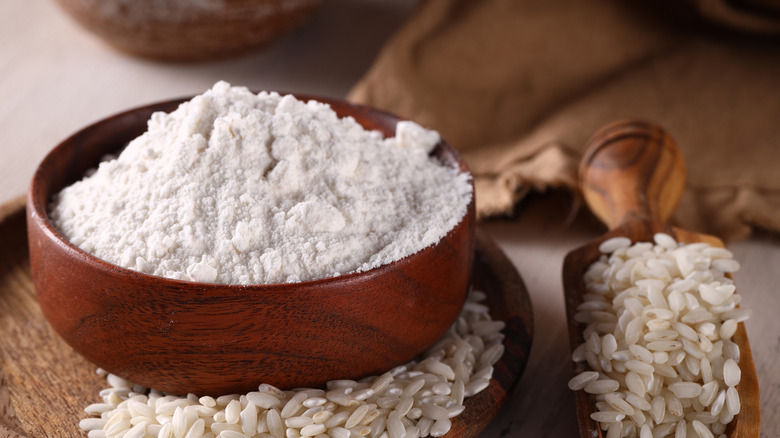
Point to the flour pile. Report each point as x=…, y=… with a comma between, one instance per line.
x=239, y=188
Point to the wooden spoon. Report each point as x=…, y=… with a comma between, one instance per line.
x=632, y=175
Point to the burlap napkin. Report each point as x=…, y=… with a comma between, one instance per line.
x=518, y=86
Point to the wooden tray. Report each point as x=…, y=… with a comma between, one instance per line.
x=45, y=385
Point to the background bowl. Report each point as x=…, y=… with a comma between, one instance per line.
x=181, y=337
x=184, y=30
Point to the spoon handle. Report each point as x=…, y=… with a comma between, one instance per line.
x=632, y=171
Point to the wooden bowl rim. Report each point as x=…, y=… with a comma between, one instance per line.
x=39, y=212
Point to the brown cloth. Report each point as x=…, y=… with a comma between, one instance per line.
x=518, y=86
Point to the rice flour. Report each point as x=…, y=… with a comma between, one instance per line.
x=239, y=188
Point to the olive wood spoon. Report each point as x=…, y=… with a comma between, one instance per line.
x=631, y=176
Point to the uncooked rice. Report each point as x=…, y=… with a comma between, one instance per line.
x=659, y=322
x=415, y=400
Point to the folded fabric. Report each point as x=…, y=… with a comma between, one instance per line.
x=518, y=86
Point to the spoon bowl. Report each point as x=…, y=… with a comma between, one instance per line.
x=632, y=176
x=181, y=337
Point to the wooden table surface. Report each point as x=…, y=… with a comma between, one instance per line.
x=55, y=78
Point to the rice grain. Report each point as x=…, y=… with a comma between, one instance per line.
x=732, y=401
x=702, y=430
x=602, y=386
x=659, y=321
x=607, y=416
x=685, y=389
x=441, y=427
x=619, y=404
x=582, y=380
x=613, y=244
x=89, y=424
x=731, y=373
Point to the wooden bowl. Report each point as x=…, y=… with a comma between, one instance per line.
x=183, y=30
x=180, y=337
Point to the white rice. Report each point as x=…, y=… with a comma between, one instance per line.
x=659, y=321
x=731, y=373
x=602, y=386
x=580, y=381
x=410, y=401
x=685, y=389
x=607, y=416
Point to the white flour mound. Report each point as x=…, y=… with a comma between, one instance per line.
x=239, y=188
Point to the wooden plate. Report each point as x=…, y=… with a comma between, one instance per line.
x=45, y=385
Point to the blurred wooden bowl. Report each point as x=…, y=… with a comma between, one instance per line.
x=181, y=337
x=184, y=30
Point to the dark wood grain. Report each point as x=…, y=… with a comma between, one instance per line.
x=632, y=175
x=44, y=384
x=229, y=338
